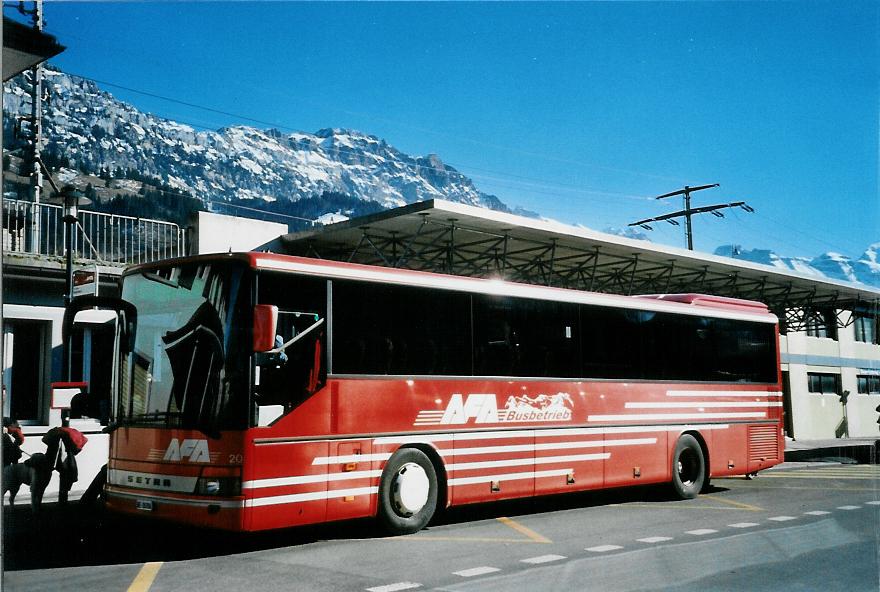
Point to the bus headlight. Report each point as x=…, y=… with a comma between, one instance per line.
x=220, y=486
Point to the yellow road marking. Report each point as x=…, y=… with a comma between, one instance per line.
x=661, y=506
x=145, y=577
x=459, y=539
x=524, y=530
x=748, y=507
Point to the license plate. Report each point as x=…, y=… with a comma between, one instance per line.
x=146, y=505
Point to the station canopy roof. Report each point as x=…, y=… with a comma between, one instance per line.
x=24, y=47
x=458, y=239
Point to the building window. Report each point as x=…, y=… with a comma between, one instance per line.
x=25, y=349
x=869, y=384
x=823, y=383
x=866, y=329
x=822, y=323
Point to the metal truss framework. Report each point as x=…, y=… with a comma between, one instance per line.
x=447, y=245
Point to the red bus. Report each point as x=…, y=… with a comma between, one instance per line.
x=258, y=391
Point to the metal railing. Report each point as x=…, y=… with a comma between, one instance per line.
x=39, y=229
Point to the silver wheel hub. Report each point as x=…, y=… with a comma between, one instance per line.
x=410, y=489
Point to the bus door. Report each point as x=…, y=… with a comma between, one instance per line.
x=293, y=463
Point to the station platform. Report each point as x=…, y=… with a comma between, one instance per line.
x=842, y=450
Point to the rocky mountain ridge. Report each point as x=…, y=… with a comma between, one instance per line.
x=96, y=141
x=94, y=131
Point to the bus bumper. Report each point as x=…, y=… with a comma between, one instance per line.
x=225, y=513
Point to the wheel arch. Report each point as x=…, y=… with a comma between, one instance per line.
x=704, y=447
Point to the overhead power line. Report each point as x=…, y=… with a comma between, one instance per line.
x=688, y=212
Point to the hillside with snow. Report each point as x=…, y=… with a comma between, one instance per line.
x=101, y=144
x=94, y=131
x=836, y=266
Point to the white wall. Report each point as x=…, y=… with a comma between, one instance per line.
x=220, y=234
x=815, y=415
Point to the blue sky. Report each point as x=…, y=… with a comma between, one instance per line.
x=580, y=111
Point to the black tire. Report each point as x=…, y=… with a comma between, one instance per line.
x=688, y=468
x=407, y=492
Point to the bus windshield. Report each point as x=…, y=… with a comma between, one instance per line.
x=187, y=368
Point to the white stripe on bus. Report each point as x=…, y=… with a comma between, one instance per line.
x=655, y=416
x=306, y=479
x=691, y=404
x=546, y=446
x=540, y=433
x=520, y=462
x=510, y=477
x=723, y=394
x=350, y=458
x=309, y=497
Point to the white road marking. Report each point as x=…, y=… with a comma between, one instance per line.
x=654, y=539
x=395, y=587
x=782, y=518
x=543, y=559
x=603, y=548
x=873, y=503
x=701, y=531
x=817, y=513
x=743, y=525
x=476, y=571
x=849, y=507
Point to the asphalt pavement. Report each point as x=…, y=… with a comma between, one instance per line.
x=800, y=526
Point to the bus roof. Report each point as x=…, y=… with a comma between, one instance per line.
x=688, y=304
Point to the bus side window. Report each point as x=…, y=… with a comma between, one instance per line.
x=293, y=370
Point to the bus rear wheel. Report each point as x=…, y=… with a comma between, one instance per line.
x=407, y=492
x=688, y=468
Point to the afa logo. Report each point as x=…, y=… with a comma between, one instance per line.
x=483, y=408
x=194, y=450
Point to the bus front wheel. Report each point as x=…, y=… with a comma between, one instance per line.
x=688, y=468
x=407, y=492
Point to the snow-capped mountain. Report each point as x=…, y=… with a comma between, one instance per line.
x=832, y=265
x=95, y=131
x=92, y=137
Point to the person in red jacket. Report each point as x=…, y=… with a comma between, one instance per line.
x=13, y=438
x=62, y=445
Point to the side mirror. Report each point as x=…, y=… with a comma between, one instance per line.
x=265, y=327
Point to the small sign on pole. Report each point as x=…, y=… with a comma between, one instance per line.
x=85, y=282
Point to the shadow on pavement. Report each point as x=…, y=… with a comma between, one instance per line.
x=75, y=535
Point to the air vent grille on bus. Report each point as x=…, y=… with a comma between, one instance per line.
x=763, y=443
